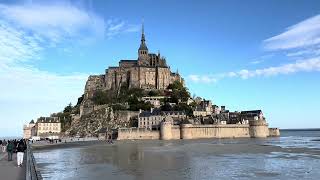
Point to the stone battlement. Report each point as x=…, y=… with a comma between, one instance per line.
x=258, y=129
x=258, y=123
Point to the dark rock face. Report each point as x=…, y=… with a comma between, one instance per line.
x=105, y=117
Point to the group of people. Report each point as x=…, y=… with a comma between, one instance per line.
x=14, y=146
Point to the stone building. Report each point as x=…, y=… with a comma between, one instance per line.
x=216, y=109
x=203, y=109
x=234, y=117
x=252, y=115
x=47, y=126
x=152, y=119
x=29, y=130
x=154, y=100
x=148, y=71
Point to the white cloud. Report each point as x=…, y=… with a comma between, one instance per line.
x=115, y=27
x=194, y=78
x=257, y=61
x=301, y=41
x=25, y=32
x=202, y=79
x=54, y=22
x=305, y=52
x=62, y=22
x=307, y=65
x=303, y=34
x=261, y=59
x=28, y=90
x=16, y=45
x=31, y=84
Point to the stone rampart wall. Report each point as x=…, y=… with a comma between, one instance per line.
x=189, y=131
x=214, y=131
x=274, y=132
x=175, y=131
x=136, y=133
x=258, y=129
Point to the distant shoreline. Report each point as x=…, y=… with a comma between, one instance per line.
x=10, y=137
x=38, y=147
x=301, y=129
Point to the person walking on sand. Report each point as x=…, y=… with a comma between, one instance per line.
x=15, y=143
x=1, y=144
x=20, y=152
x=10, y=150
x=4, y=146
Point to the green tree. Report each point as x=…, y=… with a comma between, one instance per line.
x=80, y=99
x=103, y=97
x=185, y=108
x=179, y=92
x=176, y=85
x=154, y=93
x=118, y=107
x=140, y=105
x=68, y=109
x=166, y=107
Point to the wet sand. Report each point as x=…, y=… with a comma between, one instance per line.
x=48, y=146
x=223, y=146
x=179, y=159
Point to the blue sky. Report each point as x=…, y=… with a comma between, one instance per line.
x=242, y=54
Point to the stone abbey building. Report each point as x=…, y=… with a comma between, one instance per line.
x=149, y=71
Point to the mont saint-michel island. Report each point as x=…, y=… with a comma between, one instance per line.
x=143, y=98
x=159, y=90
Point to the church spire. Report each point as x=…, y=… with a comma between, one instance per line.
x=143, y=45
x=143, y=28
x=143, y=49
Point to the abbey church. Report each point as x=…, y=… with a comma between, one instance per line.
x=149, y=71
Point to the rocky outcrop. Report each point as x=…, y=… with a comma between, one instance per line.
x=102, y=117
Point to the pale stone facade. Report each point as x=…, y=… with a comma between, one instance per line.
x=204, y=108
x=168, y=131
x=29, y=130
x=202, y=113
x=148, y=71
x=154, y=100
x=47, y=126
x=152, y=119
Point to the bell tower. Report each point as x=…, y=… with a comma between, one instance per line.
x=143, y=49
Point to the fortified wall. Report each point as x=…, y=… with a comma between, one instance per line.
x=255, y=129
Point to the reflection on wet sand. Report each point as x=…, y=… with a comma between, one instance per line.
x=193, y=159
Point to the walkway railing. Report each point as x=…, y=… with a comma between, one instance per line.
x=32, y=172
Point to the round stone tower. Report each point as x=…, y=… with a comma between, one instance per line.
x=166, y=128
x=258, y=129
x=186, y=131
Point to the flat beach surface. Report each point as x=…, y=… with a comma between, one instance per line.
x=9, y=169
x=287, y=157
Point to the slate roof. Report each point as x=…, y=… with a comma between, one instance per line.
x=143, y=47
x=251, y=112
x=48, y=120
x=128, y=61
x=158, y=112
